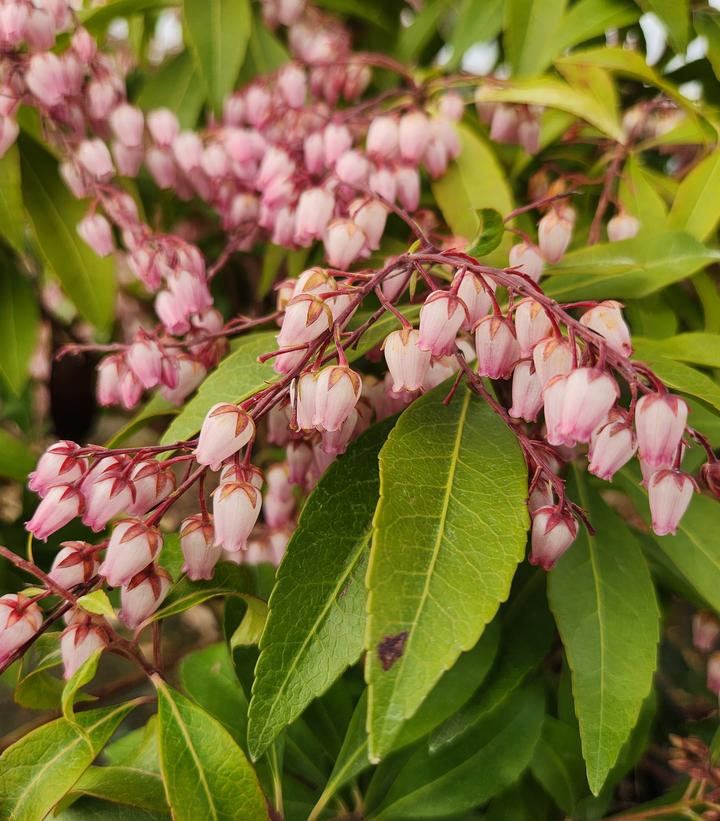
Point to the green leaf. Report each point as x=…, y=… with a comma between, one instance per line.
x=693, y=549
x=88, y=280
x=265, y=52
x=19, y=325
x=82, y=676
x=16, y=459
x=96, y=19
x=587, y=19
x=219, y=31
x=638, y=197
x=37, y=771
x=12, y=213
x=558, y=764
x=229, y=580
x=675, y=14
x=490, y=234
x=97, y=603
x=124, y=785
x=478, y=21
x=697, y=347
x=469, y=773
x=94, y=809
x=629, y=268
x=682, y=377
x=531, y=28
x=527, y=634
x=250, y=629
x=443, y=552
x=474, y=181
x=414, y=38
x=205, y=772
x=707, y=25
x=554, y=93
x=696, y=208
x=177, y=85
x=317, y=608
x=154, y=408
x=603, y=600
x=35, y=687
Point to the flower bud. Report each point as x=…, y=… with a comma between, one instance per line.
x=127, y=160
x=133, y=545
x=659, y=422
x=292, y=84
x=188, y=372
x=441, y=368
x=413, y=136
x=382, y=182
x=61, y=504
x=305, y=400
x=394, y=284
x=163, y=126
x=540, y=496
x=20, y=619
x=130, y=389
x=406, y=361
x=226, y=429
x=496, y=346
x=343, y=240
x=306, y=318
x=46, y=79
x=504, y=125
x=370, y=215
x=610, y=448
x=473, y=291
x=336, y=141
x=199, y=551
x=142, y=595
x=710, y=472
x=622, y=226
x=435, y=158
x=74, y=564
x=607, y=320
x=713, y=674
x=589, y=395
x=299, y=457
x=407, y=181
x=145, y=359
x=532, y=324
x=526, y=392
x=238, y=472
x=128, y=124
x=528, y=259
x=314, y=211
x=94, y=157
x=78, y=642
x=352, y=168
x=452, y=106
x=440, y=319
x=96, y=232
x=669, y=492
x=236, y=507
x=554, y=233
x=314, y=153
x=59, y=465
x=552, y=357
x=705, y=630
x=336, y=393
x=105, y=497
x=382, y=138
x=552, y=534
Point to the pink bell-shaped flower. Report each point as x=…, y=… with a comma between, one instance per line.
x=133, y=545
x=78, y=642
x=553, y=531
x=143, y=594
x=96, y=232
x=74, y=564
x=336, y=393
x=20, y=619
x=304, y=398
x=660, y=420
x=669, y=492
x=62, y=503
x=532, y=324
x=554, y=233
x=306, y=318
x=59, y=465
x=589, y=395
x=606, y=319
x=552, y=357
x=440, y=319
x=526, y=392
x=406, y=361
x=236, y=507
x=343, y=240
x=145, y=358
x=106, y=496
x=197, y=542
x=528, y=259
x=496, y=346
x=622, y=226
x=473, y=290
x=610, y=448
x=226, y=429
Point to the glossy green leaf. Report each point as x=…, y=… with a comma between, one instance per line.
x=693, y=549
x=265, y=52
x=178, y=85
x=554, y=93
x=219, y=31
x=37, y=771
x=12, y=213
x=19, y=326
x=317, y=608
x=16, y=459
x=558, y=764
x=205, y=772
x=697, y=347
x=675, y=14
x=587, y=19
x=527, y=633
x=444, y=549
x=469, y=773
x=639, y=198
x=95, y=809
x=603, y=600
x=629, y=268
x=97, y=18
x=414, y=38
x=36, y=688
x=531, y=28
x=229, y=580
x=87, y=279
x=124, y=785
x=97, y=603
x=490, y=234
x=681, y=377
x=696, y=208
x=82, y=676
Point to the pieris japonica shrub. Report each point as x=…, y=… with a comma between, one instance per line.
x=360, y=409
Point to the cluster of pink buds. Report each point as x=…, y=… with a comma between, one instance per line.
x=512, y=125
x=73, y=482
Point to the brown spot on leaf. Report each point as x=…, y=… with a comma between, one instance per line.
x=391, y=648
